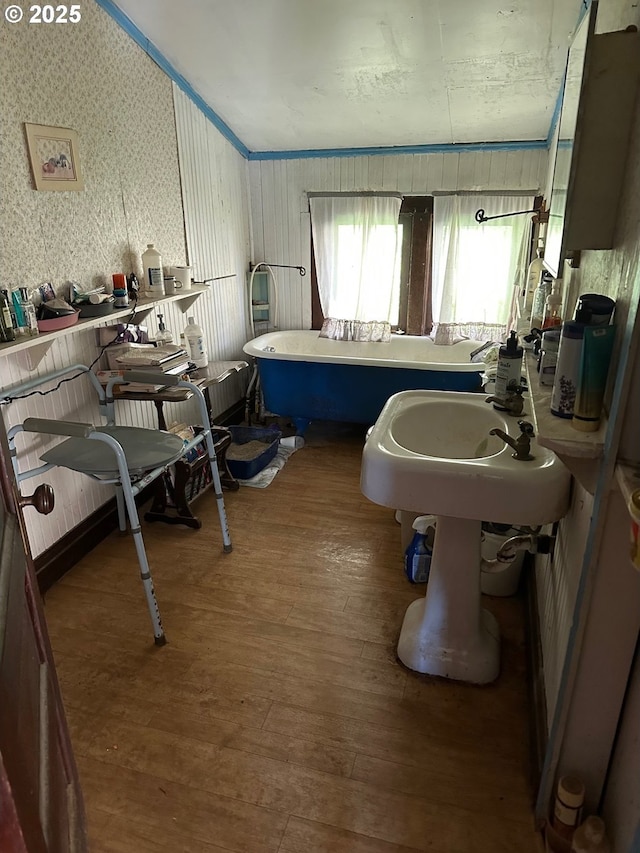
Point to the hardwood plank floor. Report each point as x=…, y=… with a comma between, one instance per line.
x=278, y=719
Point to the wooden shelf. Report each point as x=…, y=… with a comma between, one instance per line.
x=37, y=347
x=580, y=451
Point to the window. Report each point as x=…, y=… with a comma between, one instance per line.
x=357, y=254
x=475, y=266
x=390, y=259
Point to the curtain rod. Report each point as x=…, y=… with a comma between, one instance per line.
x=485, y=192
x=426, y=193
x=355, y=194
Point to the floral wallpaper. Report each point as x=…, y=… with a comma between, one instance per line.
x=93, y=78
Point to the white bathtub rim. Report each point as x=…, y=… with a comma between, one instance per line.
x=257, y=347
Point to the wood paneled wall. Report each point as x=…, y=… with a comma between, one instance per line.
x=215, y=197
x=280, y=210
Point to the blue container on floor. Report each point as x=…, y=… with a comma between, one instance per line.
x=245, y=469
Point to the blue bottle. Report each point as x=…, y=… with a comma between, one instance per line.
x=417, y=557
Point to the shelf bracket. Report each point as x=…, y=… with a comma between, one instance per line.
x=34, y=355
x=185, y=302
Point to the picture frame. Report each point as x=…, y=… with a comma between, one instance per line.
x=54, y=154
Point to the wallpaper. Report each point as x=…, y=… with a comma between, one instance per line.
x=93, y=78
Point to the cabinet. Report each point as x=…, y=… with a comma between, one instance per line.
x=592, y=141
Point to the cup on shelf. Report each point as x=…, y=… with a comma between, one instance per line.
x=182, y=275
x=171, y=285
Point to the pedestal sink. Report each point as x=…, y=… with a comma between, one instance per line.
x=432, y=452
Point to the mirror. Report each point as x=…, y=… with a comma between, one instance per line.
x=554, y=246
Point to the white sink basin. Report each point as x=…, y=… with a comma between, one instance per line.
x=431, y=452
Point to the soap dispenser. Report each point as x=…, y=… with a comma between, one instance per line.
x=509, y=372
x=163, y=335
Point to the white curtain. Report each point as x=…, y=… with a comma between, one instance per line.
x=475, y=266
x=357, y=246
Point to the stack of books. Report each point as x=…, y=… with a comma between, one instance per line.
x=145, y=358
x=163, y=359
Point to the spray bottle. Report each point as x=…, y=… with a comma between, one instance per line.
x=417, y=557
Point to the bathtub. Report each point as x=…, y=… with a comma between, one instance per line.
x=306, y=377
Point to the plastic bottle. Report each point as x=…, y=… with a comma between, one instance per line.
x=196, y=344
x=29, y=312
x=12, y=311
x=534, y=275
x=153, y=274
x=539, y=298
x=549, y=356
x=509, y=373
x=22, y=324
x=417, y=557
x=567, y=807
x=552, y=308
x=590, y=837
x=7, y=332
x=565, y=383
x=163, y=335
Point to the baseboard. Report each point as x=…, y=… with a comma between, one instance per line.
x=56, y=561
x=535, y=678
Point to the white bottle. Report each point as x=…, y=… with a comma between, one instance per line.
x=153, y=274
x=590, y=837
x=534, y=275
x=196, y=344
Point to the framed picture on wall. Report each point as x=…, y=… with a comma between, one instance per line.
x=54, y=155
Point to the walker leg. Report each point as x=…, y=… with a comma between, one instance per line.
x=122, y=518
x=215, y=476
x=145, y=572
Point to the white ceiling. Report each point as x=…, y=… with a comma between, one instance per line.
x=309, y=74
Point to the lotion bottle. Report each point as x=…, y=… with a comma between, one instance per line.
x=196, y=344
x=509, y=372
x=565, y=382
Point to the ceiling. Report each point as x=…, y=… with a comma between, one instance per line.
x=289, y=75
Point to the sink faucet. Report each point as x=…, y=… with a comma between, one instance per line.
x=521, y=444
x=513, y=403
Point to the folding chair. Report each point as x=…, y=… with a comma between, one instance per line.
x=128, y=457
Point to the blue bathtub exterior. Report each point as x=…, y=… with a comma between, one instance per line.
x=312, y=390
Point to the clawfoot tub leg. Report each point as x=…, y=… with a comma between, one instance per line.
x=301, y=425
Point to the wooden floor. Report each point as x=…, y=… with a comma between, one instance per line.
x=277, y=718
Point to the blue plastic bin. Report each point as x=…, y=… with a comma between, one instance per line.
x=245, y=469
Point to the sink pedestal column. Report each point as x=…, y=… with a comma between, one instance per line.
x=447, y=633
